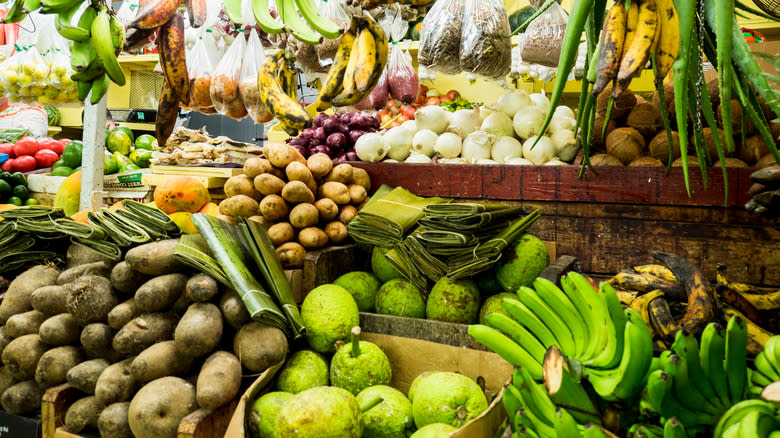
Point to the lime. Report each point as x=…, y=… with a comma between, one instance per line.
x=126, y=130
x=58, y=163
x=5, y=188
x=110, y=164
x=145, y=141
x=22, y=192
x=15, y=200
x=61, y=171
x=119, y=141
x=128, y=167
x=18, y=179
x=5, y=176
x=31, y=201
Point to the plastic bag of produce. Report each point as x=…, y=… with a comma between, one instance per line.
x=326, y=50
x=485, y=46
x=200, y=70
x=247, y=86
x=224, y=85
x=440, y=36
x=377, y=98
x=544, y=37
x=401, y=76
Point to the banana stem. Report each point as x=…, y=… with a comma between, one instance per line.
x=355, y=336
x=563, y=389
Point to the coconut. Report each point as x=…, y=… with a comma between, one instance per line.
x=732, y=162
x=597, y=141
x=753, y=149
x=668, y=98
x=645, y=118
x=774, y=127
x=714, y=91
x=659, y=146
x=625, y=144
x=709, y=142
x=623, y=103
x=646, y=162
x=766, y=161
x=692, y=161
x=604, y=160
x=736, y=117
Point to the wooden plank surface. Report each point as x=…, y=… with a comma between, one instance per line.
x=205, y=423
x=417, y=328
x=53, y=406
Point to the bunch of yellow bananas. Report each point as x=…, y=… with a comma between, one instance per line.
x=277, y=83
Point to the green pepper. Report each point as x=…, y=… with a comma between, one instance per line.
x=71, y=155
x=61, y=171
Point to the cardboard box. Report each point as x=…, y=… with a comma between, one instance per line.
x=260, y=386
x=131, y=180
x=17, y=426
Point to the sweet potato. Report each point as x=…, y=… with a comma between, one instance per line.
x=113, y=423
x=81, y=255
x=21, y=356
x=201, y=287
x=84, y=376
x=160, y=293
x=155, y=258
x=116, y=383
x=219, y=380
x=159, y=360
x=160, y=405
x=17, y=297
x=61, y=329
x=51, y=300
x=83, y=413
x=54, y=365
x=22, y=398
x=233, y=309
x=95, y=268
x=126, y=279
x=90, y=299
x=259, y=346
x=122, y=313
x=199, y=330
x=97, y=338
x=25, y=323
x=143, y=331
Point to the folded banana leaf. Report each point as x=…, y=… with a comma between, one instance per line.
x=14, y=262
x=435, y=237
x=383, y=190
x=402, y=261
x=152, y=219
x=459, y=209
x=194, y=252
x=426, y=262
x=77, y=229
x=42, y=227
x=32, y=211
x=119, y=229
x=16, y=243
x=108, y=249
x=470, y=222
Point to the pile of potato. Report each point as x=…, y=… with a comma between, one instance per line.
x=304, y=204
x=146, y=341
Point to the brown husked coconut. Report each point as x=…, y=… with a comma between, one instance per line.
x=625, y=144
x=645, y=118
x=736, y=119
x=668, y=96
x=714, y=91
x=774, y=127
x=604, y=160
x=659, y=146
x=692, y=162
x=753, y=149
x=623, y=103
x=645, y=161
x=709, y=142
x=597, y=141
x=732, y=162
x=766, y=161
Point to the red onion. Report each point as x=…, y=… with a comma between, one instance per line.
x=348, y=156
x=302, y=150
x=321, y=149
x=321, y=117
x=353, y=136
x=320, y=134
x=331, y=124
x=337, y=141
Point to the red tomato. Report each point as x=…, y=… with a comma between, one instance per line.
x=25, y=163
x=52, y=145
x=8, y=166
x=46, y=157
x=409, y=112
x=26, y=146
x=7, y=148
x=432, y=101
x=64, y=141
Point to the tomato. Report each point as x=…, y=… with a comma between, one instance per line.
x=7, y=148
x=8, y=166
x=25, y=163
x=409, y=112
x=432, y=101
x=46, y=157
x=52, y=145
x=26, y=146
x=64, y=141
x=453, y=94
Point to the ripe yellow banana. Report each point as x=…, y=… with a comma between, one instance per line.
x=289, y=113
x=637, y=54
x=668, y=40
x=642, y=303
x=366, y=60
x=659, y=271
x=350, y=95
x=381, y=51
x=632, y=21
x=611, y=46
x=335, y=79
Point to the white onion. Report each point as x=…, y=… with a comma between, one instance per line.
x=518, y=161
x=485, y=111
x=498, y=124
x=513, y=101
x=555, y=162
x=432, y=117
x=424, y=141
x=418, y=158
x=411, y=125
x=399, y=139
x=506, y=147
x=540, y=100
x=464, y=121
x=389, y=160
x=565, y=144
x=451, y=160
x=563, y=110
x=528, y=122
x=448, y=145
x=371, y=147
x=541, y=153
x=486, y=161
x=561, y=123
x=477, y=146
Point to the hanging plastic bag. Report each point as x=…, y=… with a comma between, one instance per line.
x=199, y=70
x=544, y=37
x=333, y=10
x=128, y=11
x=401, y=76
x=485, y=46
x=440, y=36
x=248, y=87
x=377, y=98
x=393, y=23
x=224, y=85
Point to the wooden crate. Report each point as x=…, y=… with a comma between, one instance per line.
x=320, y=267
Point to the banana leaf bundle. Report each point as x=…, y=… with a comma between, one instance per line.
x=193, y=251
x=32, y=211
x=16, y=261
x=108, y=249
x=446, y=238
x=428, y=264
x=120, y=229
x=403, y=261
x=468, y=221
x=156, y=223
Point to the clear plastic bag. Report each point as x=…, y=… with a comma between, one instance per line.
x=326, y=50
x=393, y=24
x=247, y=86
x=224, y=85
x=440, y=36
x=544, y=37
x=200, y=70
x=485, y=46
x=377, y=98
x=128, y=11
x=401, y=76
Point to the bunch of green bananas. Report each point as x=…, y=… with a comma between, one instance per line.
x=767, y=364
x=298, y=26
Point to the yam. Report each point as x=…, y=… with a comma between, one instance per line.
x=319, y=164
x=291, y=255
x=122, y=313
x=336, y=231
x=357, y=194
x=201, y=287
x=90, y=299
x=160, y=293
x=83, y=413
x=241, y=185
x=341, y=173
x=21, y=356
x=25, y=323
x=155, y=258
x=281, y=154
x=51, y=300
x=361, y=178
x=17, y=297
x=281, y=232
x=54, y=365
x=659, y=146
x=239, y=206
x=126, y=279
x=296, y=192
x=160, y=405
x=22, y=398
x=304, y=215
x=327, y=209
x=78, y=254
x=112, y=421
x=219, y=380
x=143, y=331
x=60, y=329
x=256, y=166
x=625, y=144
x=96, y=268
x=199, y=331
x=84, y=376
x=97, y=339
x=116, y=383
x=258, y=346
x=347, y=213
x=336, y=191
x=268, y=184
x=312, y=238
x=274, y=208
x=296, y=171
x=159, y=360
x=233, y=309
x=6, y=379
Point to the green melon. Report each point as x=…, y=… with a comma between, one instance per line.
x=493, y=304
x=382, y=268
x=453, y=301
x=400, y=298
x=329, y=312
x=363, y=287
x=304, y=369
x=522, y=262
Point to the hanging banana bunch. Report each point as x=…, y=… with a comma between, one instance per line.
x=276, y=84
x=310, y=26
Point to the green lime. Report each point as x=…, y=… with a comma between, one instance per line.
x=126, y=130
x=15, y=200
x=58, y=163
x=110, y=164
x=31, y=201
x=5, y=176
x=128, y=168
x=141, y=157
x=145, y=141
x=5, y=188
x=120, y=142
x=61, y=171
x=22, y=192
x=18, y=179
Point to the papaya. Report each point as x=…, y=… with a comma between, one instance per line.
x=81, y=216
x=68, y=195
x=210, y=209
x=183, y=220
x=180, y=193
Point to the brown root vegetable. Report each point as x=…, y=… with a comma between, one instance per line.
x=714, y=91
x=709, y=142
x=274, y=208
x=668, y=96
x=155, y=258
x=84, y=376
x=281, y=154
x=692, y=162
x=241, y=185
x=605, y=160
x=260, y=219
x=227, y=218
x=159, y=406
x=21, y=356
x=259, y=346
x=17, y=297
x=54, y=365
x=625, y=144
x=219, y=380
x=159, y=360
x=622, y=106
x=90, y=299
x=312, y=238
x=753, y=149
x=143, y=331
x=199, y=331
x=336, y=231
x=81, y=255
x=357, y=193
x=341, y=173
x=296, y=192
x=112, y=421
x=319, y=164
x=116, y=383
x=96, y=268
x=25, y=323
x=160, y=293
x=51, y=300
x=233, y=309
x=239, y=206
x=347, y=213
x=268, y=184
x=83, y=413
x=22, y=398
x=736, y=117
x=645, y=118
x=766, y=161
x=256, y=166
x=4, y=339
x=122, y=313
x=659, y=147
x=281, y=232
x=291, y=254
x=336, y=191
x=60, y=329
x=731, y=162
x=328, y=210
x=361, y=178
x=6, y=380
x=304, y=215
x=201, y=287
x=296, y=171
x=97, y=339
x=125, y=279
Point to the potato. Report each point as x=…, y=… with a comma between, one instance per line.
x=227, y=218
x=357, y=193
x=159, y=360
x=125, y=279
x=143, y=331
x=296, y=171
x=233, y=309
x=122, y=313
x=97, y=339
x=17, y=297
x=25, y=323
x=51, y=300
x=268, y=184
x=239, y=206
x=341, y=173
x=95, y=268
x=83, y=413
x=78, y=254
x=256, y=166
x=4, y=339
x=61, y=329
x=304, y=215
x=160, y=293
x=219, y=380
x=21, y=356
x=260, y=219
x=201, y=287
x=327, y=209
x=336, y=231
x=112, y=421
x=116, y=383
x=258, y=346
x=281, y=232
x=199, y=331
x=84, y=376
x=241, y=185
x=312, y=238
x=54, y=365
x=274, y=208
x=360, y=177
x=296, y=192
x=347, y=213
x=319, y=164
x=281, y=154
x=336, y=191
x=90, y=299
x=6, y=380
x=291, y=254
x=155, y=258
x=160, y=405
x=22, y=398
